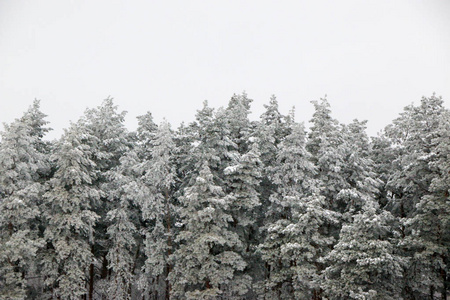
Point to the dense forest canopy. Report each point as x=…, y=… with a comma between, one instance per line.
x=225, y=207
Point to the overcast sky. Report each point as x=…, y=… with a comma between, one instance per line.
x=371, y=58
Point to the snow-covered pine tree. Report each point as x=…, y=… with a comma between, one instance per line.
x=363, y=264
x=209, y=141
x=240, y=127
x=36, y=119
x=159, y=175
x=414, y=136
x=23, y=164
x=325, y=145
x=71, y=220
x=294, y=241
x=110, y=141
x=431, y=224
x=271, y=130
x=243, y=180
x=205, y=263
x=124, y=240
x=357, y=170
x=145, y=134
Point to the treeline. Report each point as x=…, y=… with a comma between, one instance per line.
x=225, y=207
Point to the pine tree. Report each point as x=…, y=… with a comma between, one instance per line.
x=361, y=183
x=413, y=136
x=363, y=264
x=243, y=180
x=23, y=165
x=109, y=141
x=297, y=213
x=238, y=122
x=71, y=221
x=159, y=175
x=271, y=130
x=205, y=263
x=325, y=143
x=429, y=225
x=123, y=227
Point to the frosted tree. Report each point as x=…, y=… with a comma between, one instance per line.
x=159, y=175
x=238, y=122
x=208, y=141
x=21, y=165
x=294, y=241
x=205, y=263
x=325, y=145
x=432, y=222
x=145, y=135
x=243, y=180
x=414, y=136
x=271, y=130
x=71, y=220
x=109, y=140
x=36, y=119
x=429, y=225
x=383, y=156
x=127, y=193
x=362, y=184
x=363, y=264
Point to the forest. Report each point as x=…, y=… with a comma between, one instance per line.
x=226, y=207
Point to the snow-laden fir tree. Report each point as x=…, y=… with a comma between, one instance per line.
x=209, y=141
x=109, y=141
x=414, y=135
x=240, y=127
x=71, y=220
x=243, y=180
x=363, y=264
x=325, y=145
x=206, y=261
x=123, y=222
x=159, y=175
x=23, y=164
x=357, y=170
x=294, y=242
x=271, y=130
x=432, y=222
x=429, y=225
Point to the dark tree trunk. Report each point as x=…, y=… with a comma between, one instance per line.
x=169, y=242
x=91, y=282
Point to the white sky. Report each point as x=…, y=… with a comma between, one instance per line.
x=371, y=58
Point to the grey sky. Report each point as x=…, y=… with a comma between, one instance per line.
x=371, y=58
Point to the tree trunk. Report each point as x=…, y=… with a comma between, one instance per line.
x=91, y=282
x=104, y=272
x=445, y=284
x=169, y=242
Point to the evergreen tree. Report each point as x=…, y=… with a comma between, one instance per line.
x=109, y=141
x=361, y=183
x=205, y=263
x=123, y=227
x=363, y=264
x=414, y=135
x=71, y=220
x=243, y=182
x=238, y=122
x=294, y=241
x=325, y=142
x=23, y=168
x=159, y=175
